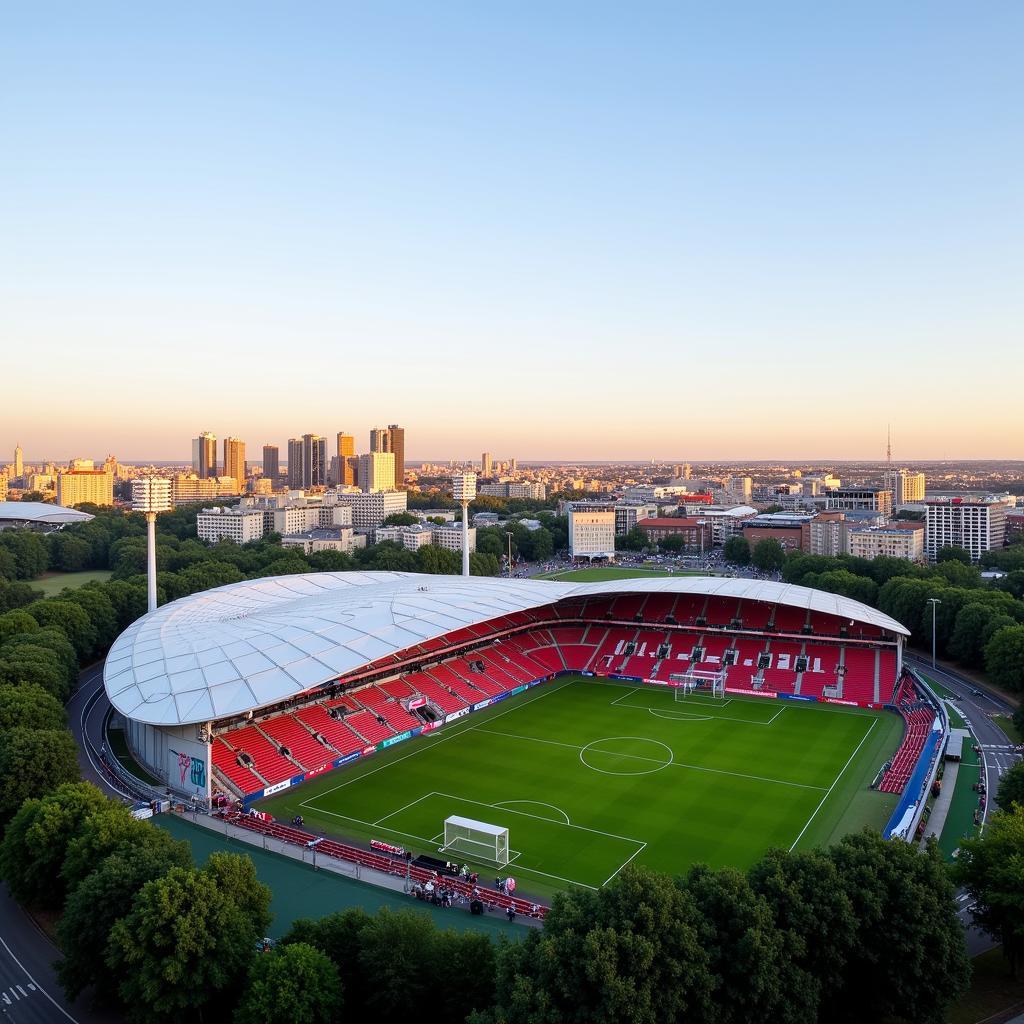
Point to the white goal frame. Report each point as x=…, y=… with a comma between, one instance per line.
x=478, y=840
x=685, y=684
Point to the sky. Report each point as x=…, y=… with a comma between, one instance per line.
x=547, y=230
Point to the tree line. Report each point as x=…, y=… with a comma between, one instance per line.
x=865, y=930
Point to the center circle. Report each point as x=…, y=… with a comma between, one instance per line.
x=626, y=755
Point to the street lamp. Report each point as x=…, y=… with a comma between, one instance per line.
x=933, y=601
x=508, y=533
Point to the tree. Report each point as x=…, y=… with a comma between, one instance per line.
x=629, y=952
x=737, y=550
x=952, y=553
x=768, y=555
x=34, y=762
x=489, y=542
x=108, y=829
x=16, y=595
x=71, y=619
x=30, y=707
x=808, y=903
x=401, y=519
x=295, y=983
x=184, y=944
x=1011, y=787
x=991, y=868
x=331, y=561
x=634, y=540
x=909, y=941
x=235, y=876
x=339, y=936
x=1004, y=658
x=483, y=565
x=674, y=543
x=974, y=626
x=68, y=552
x=439, y=561
x=102, y=899
x=37, y=838
x=30, y=551
x=543, y=545
x=15, y=623
x=750, y=959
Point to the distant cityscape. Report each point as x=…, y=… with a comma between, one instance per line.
x=319, y=492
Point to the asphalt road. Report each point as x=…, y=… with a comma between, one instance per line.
x=997, y=756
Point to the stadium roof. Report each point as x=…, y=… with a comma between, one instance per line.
x=246, y=645
x=41, y=513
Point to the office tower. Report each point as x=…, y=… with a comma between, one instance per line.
x=513, y=464
x=397, y=436
x=345, y=475
x=314, y=460
x=271, y=462
x=390, y=439
x=110, y=465
x=19, y=462
x=295, y=463
x=204, y=455
x=234, y=460
x=377, y=471
x=486, y=464
x=977, y=525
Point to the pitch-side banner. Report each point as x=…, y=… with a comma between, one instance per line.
x=188, y=766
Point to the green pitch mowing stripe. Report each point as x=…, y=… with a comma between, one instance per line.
x=589, y=776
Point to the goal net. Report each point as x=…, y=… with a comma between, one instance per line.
x=475, y=839
x=697, y=681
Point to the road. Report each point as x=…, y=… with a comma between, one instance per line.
x=997, y=756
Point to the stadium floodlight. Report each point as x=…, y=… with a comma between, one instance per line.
x=479, y=840
x=151, y=495
x=464, y=491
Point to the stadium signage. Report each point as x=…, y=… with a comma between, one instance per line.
x=429, y=727
x=480, y=705
x=750, y=693
x=418, y=702
x=455, y=714
x=839, y=700
x=797, y=696
x=370, y=750
x=392, y=740
x=277, y=787
x=317, y=771
x=347, y=759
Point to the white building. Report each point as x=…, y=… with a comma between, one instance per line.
x=415, y=537
x=450, y=537
x=725, y=521
x=377, y=471
x=896, y=540
x=370, y=509
x=238, y=524
x=526, y=489
x=975, y=525
x=738, y=490
x=591, y=534
x=337, y=538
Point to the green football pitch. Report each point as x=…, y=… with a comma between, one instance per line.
x=589, y=776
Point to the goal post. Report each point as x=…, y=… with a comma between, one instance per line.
x=479, y=840
x=686, y=684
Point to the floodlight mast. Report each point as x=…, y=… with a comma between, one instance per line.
x=464, y=491
x=150, y=496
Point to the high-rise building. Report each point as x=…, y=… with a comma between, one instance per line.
x=513, y=465
x=204, y=455
x=234, y=460
x=592, y=534
x=377, y=472
x=110, y=465
x=19, y=462
x=397, y=435
x=271, y=462
x=390, y=439
x=345, y=472
x=295, y=463
x=82, y=486
x=486, y=464
x=977, y=526
x=314, y=460
x=909, y=487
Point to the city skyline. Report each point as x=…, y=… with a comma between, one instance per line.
x=708, y=233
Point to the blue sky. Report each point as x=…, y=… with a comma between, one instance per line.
x=547, y=230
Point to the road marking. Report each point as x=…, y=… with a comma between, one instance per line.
x=60, y=1009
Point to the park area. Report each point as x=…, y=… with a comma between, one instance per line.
x=52, y=583
x=590, y=776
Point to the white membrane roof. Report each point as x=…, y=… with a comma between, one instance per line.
x=41, y=512
x=246, y=645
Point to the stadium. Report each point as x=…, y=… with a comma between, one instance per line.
x=559, y=731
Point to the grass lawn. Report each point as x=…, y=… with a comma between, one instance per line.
x=119, y=748
x=299, y=891
x=589, y=776
x=1005, y=722
x=960, y=819
x=614, y=572
x=993, y=991
x=52, y=583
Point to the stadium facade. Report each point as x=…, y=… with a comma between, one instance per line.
x=188, y=677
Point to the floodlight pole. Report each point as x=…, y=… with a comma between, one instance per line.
x=934, y=602
x=508, y=534
x=151, y=561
